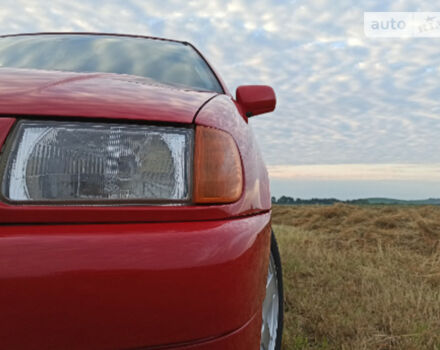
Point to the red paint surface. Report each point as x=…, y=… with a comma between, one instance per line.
x=130, y=285
x=100, y=95
x=5, y=127
x=256, y=99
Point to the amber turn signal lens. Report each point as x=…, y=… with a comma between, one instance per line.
x=218, y=176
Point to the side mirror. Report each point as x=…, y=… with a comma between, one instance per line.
x=256, y=99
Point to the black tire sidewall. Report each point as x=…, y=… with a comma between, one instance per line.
x=275, y=253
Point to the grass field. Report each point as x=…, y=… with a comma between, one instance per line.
x=360, y=277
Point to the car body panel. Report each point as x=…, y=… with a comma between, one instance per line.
x=130, y=285
x=5, y=126
x=223, y=113
x=95, y=95
x=246, y=337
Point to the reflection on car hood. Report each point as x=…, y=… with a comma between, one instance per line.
x=100, y=95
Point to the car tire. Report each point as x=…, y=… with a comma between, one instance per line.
x=272, y=320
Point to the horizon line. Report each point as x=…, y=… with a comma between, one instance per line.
x=357, y=171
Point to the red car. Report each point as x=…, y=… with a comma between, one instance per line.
x=135, y=208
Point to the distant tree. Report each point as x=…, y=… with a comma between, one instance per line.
x=312, y=201
x=285, y=200
x=274, y=200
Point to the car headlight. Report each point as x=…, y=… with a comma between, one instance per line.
x=104, y=163
x=88, y=162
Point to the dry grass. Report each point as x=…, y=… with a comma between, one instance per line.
x=360, y=277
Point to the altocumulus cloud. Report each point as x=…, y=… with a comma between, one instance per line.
x=346, y=103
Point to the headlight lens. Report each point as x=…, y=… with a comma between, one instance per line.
x=98, y=162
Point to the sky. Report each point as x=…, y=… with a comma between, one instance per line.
x=355, y=117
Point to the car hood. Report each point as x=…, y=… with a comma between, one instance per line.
x=97, y=95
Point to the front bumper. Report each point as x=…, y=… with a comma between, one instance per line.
x=185, y=285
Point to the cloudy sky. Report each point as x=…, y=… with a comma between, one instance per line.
x=356, y=116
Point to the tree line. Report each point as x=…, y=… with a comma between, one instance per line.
x=325, y=201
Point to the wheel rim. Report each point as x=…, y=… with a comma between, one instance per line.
x=269, y=326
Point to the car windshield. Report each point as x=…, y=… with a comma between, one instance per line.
x=166, y=62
